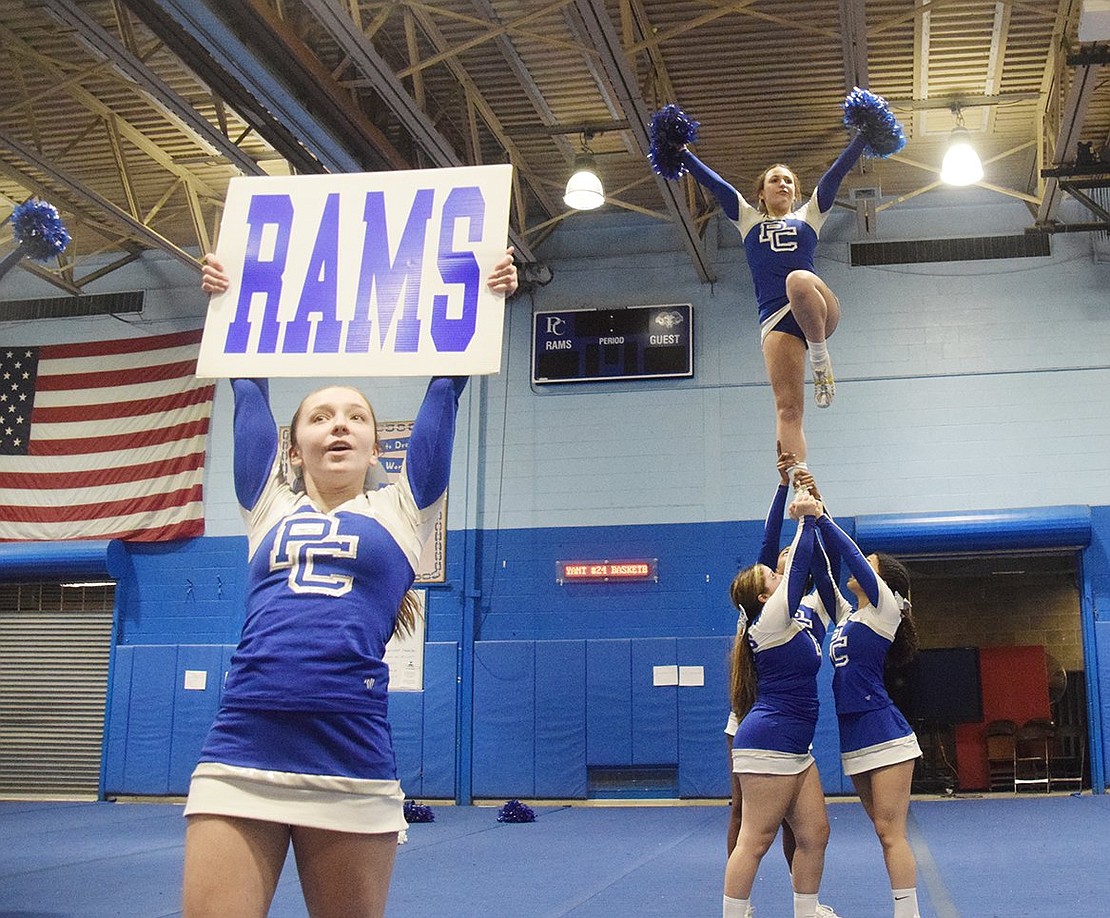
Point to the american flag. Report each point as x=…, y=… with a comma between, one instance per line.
x=103, y=440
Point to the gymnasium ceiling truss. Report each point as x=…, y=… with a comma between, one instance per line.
x=132, y=115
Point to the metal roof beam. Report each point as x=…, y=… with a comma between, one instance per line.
x=489, y=116
x=104, y=113
x=115, y=214
x=365, y=57
x=853, y=42
x=373, y=66
x=1064, y=150
x=621, y=76
x=235, y=72
x=104, y=44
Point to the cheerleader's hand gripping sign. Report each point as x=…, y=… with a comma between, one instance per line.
x=364, y=274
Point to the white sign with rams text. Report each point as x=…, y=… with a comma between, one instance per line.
x=364, y=274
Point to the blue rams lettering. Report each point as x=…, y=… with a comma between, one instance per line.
x=388, y=297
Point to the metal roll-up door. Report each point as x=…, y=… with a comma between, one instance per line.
x=55, y=644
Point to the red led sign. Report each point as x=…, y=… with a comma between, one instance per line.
x=606, y=571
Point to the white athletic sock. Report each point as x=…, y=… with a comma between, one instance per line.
x=905, y=903
x=736, y=908
x=818, y=352
x=805, y=905
x=794, y=468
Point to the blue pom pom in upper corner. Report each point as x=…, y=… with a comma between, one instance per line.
x=871, y=116
x=38, y=230
x=515, y=811
x=671, y=129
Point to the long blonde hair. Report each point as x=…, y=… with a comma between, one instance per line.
x=408, y=615
x=747, y=587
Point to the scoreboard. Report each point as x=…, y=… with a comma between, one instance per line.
x=635, y=342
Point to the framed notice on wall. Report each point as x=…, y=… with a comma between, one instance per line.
x=393, y=436
x=590, y=345
x=404, y=654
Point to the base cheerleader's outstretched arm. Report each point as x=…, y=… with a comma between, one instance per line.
x=826, y=554
x=804, y=508
x=778, y=610
x=772, y=528
x=853, y=557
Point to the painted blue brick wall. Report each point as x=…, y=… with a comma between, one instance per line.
x=183, y=592
x=943, y=370
x=520, y=597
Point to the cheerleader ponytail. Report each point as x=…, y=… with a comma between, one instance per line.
x=896, y=576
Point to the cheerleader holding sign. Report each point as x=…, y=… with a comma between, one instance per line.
x=300, y=752
x=797, y=310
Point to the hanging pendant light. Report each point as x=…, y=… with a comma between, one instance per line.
x=961, y=165
x=584, y=189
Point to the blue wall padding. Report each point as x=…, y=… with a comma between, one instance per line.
x=193, y=710
x=609, y=702
x=703, y=757
x=150, y=720
x=1095, y=570
x=190, y=593
x=503, y=763
x=406, y=723
x=976, y=530
x=1102, y=648
x=1096, y=564
x=118, y=719
x=440, y=719
x=52, y=561
x=654, y=707
x=561, y=719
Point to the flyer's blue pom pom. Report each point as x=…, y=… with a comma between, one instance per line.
x=38, y=230
x=418, y=812
x=671, y=129
x=871, y=116
x=515, y=811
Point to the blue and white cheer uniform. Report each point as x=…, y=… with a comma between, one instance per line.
x=302, y=735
